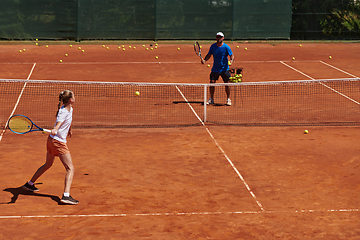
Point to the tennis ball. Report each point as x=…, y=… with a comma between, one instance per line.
x=61, y=61
x=37, y=39
x=66, y=54
x=123, y=49
x=134, y=47
x=229, y=63
x=20, y=51
x=70, y=45
x=36, y=44
x=119, y=47
x=107, y=47
x=103, y=45
x=24, y=50
x=47, y=46
x=208, y=65
x=178, y=48
x=237, y=46
x=306, y=132
x=329, y=57
x=83, y=50
x=246, y=48
x=293, y=58
x=156, y=57
x=147, y=48
x=156, y=48
x=300, y=45
x=137, y=93
x=143, y=45
x=79, y=48
x=129, y=46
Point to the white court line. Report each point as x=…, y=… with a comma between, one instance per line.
x=17, y=102
x=223, y=152
x=179, y=214
x=341, y=94
x=339, y=69
x=167, y=62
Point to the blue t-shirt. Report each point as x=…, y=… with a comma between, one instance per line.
x=220, y=55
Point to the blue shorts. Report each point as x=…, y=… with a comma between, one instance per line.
x=224, y=75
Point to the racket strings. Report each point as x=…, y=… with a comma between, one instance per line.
x=20, y=124
x=197, y=48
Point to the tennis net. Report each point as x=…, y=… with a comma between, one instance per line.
x=114, y=104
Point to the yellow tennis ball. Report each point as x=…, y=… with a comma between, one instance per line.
x=20, y=51
x=156, y=57
x=61, y=61
x=119, y=47
x=208, y=65
x=107, y=48
x=229, y=63
x=79, y=48
x=246, y=48
x=300, y=45
x=178, y=48
x=237, y=46
x=329, y=57
x=306, y=132
x=83, y=50
x=103, y=45
x=46, y=46
x=137, y=93
x=70, y=45
x=66, y=54
x=37, y=39
x=36, y=44
x=293, y=58
x=24, y=50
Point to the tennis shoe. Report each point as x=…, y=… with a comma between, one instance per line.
x=69, y=200
x=228, y=102
x=210, y=102
x=32, y=188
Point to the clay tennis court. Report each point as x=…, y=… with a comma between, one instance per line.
x=198, y=182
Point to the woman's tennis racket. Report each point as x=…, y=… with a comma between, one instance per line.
x=21, y=124
x=197, y=49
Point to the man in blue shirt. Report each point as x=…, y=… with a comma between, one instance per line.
x=220, y=52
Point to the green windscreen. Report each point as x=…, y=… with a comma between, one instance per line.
x=145, y=19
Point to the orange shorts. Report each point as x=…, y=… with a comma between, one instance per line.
x=55, y=147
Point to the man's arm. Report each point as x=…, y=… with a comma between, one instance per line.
x=207, y=57
x=232, y=57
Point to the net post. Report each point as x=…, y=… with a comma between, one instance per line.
x=205, y=93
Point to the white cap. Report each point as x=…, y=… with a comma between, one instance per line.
x=220, y=34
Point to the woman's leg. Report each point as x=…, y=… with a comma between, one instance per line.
x=49, y=162
x=67, y=162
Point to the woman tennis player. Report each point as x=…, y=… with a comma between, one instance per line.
x=56, y=146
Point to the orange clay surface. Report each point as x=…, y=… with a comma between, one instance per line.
x=201, y=182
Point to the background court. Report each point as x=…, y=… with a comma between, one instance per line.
x=162, y=183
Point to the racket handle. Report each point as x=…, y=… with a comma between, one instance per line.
x=46, y=130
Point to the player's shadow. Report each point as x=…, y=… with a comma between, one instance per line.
x=16, y=192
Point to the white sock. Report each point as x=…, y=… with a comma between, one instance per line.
x=66, y=194
x=31, y=183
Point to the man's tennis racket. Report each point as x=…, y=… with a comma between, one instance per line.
x=21, y=124
x=197, y=49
